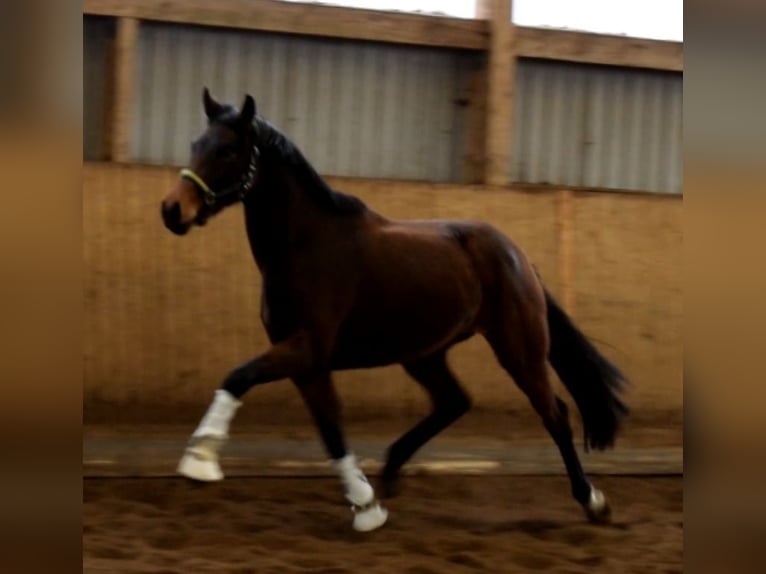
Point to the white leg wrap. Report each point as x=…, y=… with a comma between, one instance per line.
x=358, y=490
x=200, y=461
x=368, y=513
x=218, y=416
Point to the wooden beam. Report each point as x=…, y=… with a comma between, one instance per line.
x=306, y=19
x=501, y=73
x=475, y=137
x=392, y=27
x=565, y=232
x=110, y=86
x=599, y=49
x=123, y=91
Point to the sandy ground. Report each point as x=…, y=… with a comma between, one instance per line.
x=439, y=524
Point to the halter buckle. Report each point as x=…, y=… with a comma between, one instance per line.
x=210, y=198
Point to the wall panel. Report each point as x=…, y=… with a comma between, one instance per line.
x=354, y=108
x=166, y=317
x=598, y=127
x=628, y=260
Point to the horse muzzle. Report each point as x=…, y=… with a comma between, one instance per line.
x=171, y=217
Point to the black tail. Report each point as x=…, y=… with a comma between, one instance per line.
x=592, y=380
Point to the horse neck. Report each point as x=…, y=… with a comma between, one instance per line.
x=280, y=215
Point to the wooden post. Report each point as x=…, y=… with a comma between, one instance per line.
x=565, y=232
x=474, y=156
x=501, y=72
x=123, y=90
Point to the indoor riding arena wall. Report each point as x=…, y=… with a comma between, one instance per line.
x=167, y=317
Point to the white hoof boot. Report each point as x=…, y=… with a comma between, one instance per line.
x=200, y=461
x=368, y=513
x=597, y=508
x=370, y=517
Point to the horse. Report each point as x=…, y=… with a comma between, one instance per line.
x=345, y=287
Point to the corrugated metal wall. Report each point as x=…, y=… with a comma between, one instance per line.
x=594, y=126
x=354, y=108
x=391, y=111
x=97, y=35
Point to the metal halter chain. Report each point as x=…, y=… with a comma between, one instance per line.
x=241, y=188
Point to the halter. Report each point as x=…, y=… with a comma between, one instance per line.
x=241, y=188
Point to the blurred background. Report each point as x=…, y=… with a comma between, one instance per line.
x=558, y=122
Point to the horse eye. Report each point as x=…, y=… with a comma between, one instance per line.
x=226, y=152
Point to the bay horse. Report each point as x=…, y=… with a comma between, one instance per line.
x=346, y=288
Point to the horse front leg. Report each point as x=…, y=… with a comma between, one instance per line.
x=287, y=359
x=320, y=397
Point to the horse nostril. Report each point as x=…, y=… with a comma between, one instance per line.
x=171, y=215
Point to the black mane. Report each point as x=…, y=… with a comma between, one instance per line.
x=273, y=142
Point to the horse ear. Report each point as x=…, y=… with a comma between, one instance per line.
x=212, y=108
x=248, y=109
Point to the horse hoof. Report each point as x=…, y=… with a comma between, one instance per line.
x=598, y=509
x=199, y=468
x=370, y=517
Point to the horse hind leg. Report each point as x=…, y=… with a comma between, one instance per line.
x=531, y=376
x=449, y=401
